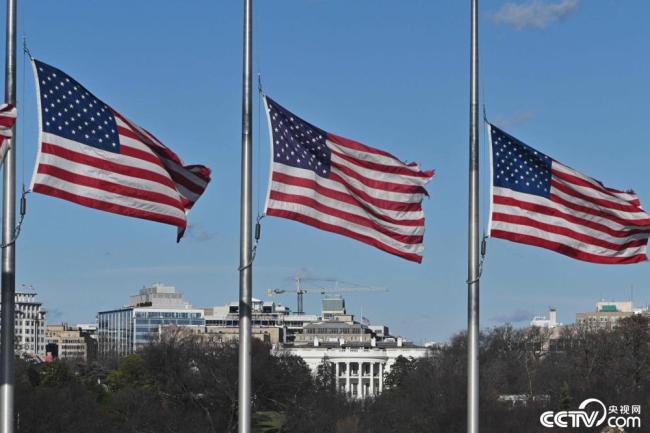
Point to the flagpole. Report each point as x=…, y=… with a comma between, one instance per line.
x=8, y=278
x=246, y=220
x=473, y=238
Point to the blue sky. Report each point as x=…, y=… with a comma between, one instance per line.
x=566, y=76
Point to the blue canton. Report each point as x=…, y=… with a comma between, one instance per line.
x=297, y=143
x=70, y=111
x=518, y=166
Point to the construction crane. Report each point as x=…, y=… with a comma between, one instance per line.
x=301, y=291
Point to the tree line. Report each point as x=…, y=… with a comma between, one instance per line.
x=181, y=384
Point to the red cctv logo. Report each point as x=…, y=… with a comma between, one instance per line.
x=594, y=417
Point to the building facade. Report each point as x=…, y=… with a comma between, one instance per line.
x=30, y=325
x=66, y=342
x=607, y=314
x=125, y=330
x=359, y=368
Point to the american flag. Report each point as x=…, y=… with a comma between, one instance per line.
x=538, y=201
x=92, y=155
x=7, y=121
x=342, y=186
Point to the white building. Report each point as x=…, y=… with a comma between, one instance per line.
x=359, y=368
x=547, y=323
x=122, y=331
x=30, y=325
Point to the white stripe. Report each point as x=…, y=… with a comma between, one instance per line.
x=105, y=155
x=564, y=240
x=402, y=179
x=371, y=157
x=630, y=216
x=599, y=193
x=400, y=197
x=345, y=207
x=336, y=186
x=362, y=230
x=535, y=199
x=108, y=197
x=628, y=197
x=560, y=222
x=110, y=176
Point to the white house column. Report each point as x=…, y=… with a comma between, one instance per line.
x=372, y=378
x=359, y=379
x=381, y=377
x=347, y=377
x=337, y=376
x=360, y=384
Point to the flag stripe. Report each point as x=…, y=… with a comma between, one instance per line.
x=117, y=188
x=352, y=207
x=107, y=206
x=277, y=196
x=342, y=230
x=566, y=231
x=604, y=226
x=326, y=187
x=567, y=250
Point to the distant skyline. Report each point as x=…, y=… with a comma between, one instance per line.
x=567, y=77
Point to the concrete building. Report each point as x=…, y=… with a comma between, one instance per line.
x=122, y=331
x=607, y=314
x=265, y=316
x=30, y=323
x=66, y=342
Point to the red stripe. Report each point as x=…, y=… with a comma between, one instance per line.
x=365, y=222
x=108, y=207
x=583, y=183
x=103, y=164
x=551, y=211
x=155, y=158
x=563, y=231
x=112, y=187
x=566, y=250
x=597, y=201
x=347, y=198
x=591, y=211
x=355, y=145
x=394, y=205
x=378, y=184
x=382, y=167
x=7, y=122
x=343, y=231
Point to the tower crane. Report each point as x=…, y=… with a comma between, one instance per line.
x=300, y=291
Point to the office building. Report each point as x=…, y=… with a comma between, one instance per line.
x=123, y=331
x=30, y=323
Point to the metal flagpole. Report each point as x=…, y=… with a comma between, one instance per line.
x=246, y=220
x=473, y=238
x=8, y=367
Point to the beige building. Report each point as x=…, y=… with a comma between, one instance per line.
x=606, y=315
x=68, y=341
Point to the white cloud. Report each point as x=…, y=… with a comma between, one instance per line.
x=515, y=119
x=535, y=13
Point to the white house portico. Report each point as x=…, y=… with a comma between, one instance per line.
x=359, y=368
